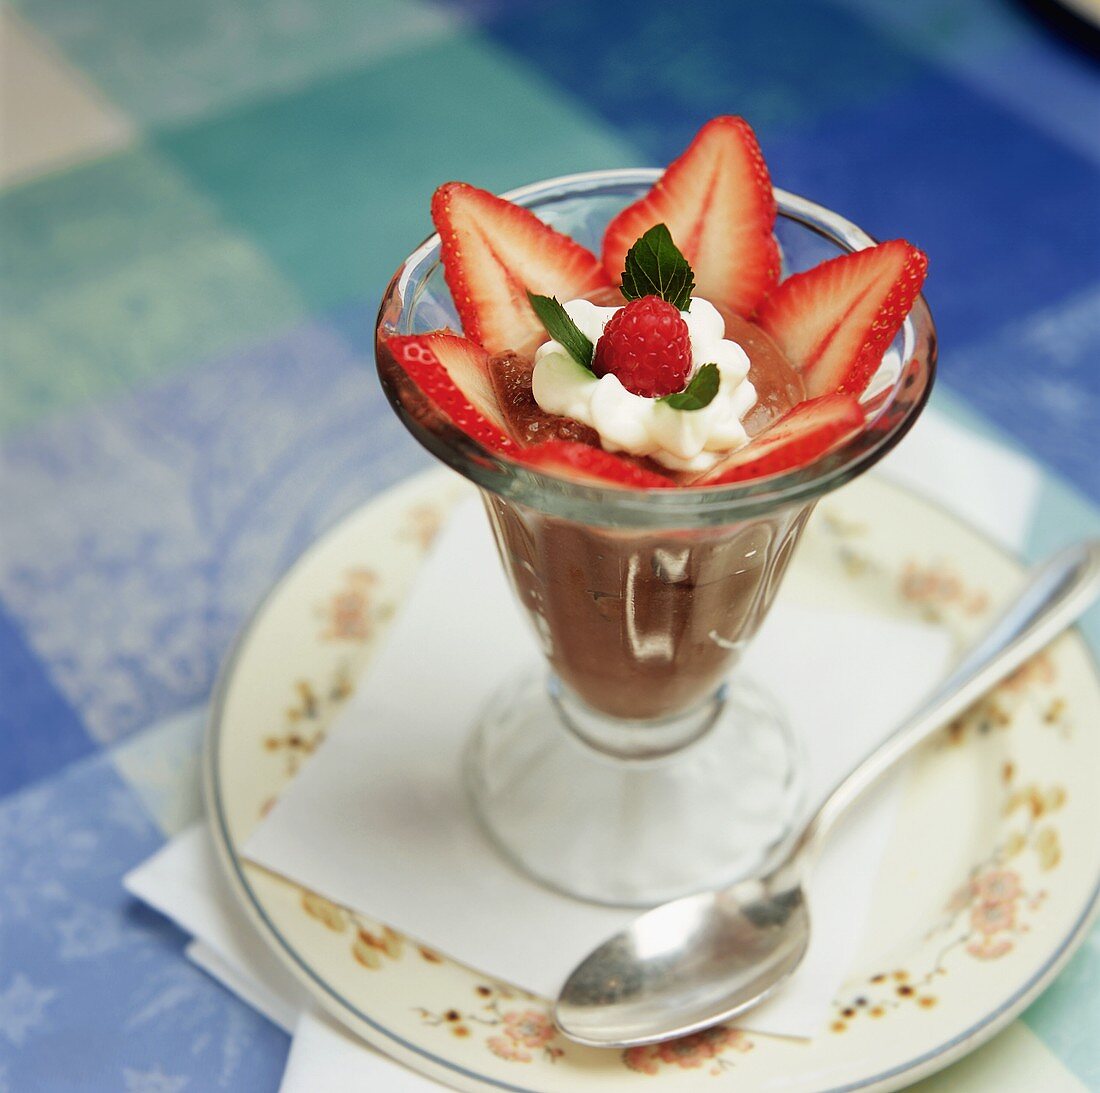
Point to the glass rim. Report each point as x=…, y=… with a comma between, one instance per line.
x=888, y=420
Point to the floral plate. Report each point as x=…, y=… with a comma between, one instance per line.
x=990, y=881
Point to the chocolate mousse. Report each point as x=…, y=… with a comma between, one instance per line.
x=643, y=626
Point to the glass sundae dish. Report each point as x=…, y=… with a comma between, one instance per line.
x=650, y=429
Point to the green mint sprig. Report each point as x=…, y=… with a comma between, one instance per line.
x=699, y=393
x=562, y=329
x=655, y=267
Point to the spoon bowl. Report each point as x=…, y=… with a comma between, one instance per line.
x=703, y=958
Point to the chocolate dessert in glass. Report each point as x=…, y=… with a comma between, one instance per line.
x=649, y=430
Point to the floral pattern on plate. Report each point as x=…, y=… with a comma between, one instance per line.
x=987, y=914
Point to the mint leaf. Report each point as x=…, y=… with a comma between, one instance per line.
x=562, y=329
x=699, y=393
x=655, y=267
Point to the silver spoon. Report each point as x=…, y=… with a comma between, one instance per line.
x=705, y=958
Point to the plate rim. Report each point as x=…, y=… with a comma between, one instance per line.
x=436, y=1066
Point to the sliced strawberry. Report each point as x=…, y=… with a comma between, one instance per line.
x=802, y=435
x=586, y=464
x=717, y=202
x=454, y=374
x=835, y=321
x=494, y=253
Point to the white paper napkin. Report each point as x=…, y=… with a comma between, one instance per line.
x=384, y=799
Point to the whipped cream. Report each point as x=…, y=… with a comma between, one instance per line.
x=682, y=440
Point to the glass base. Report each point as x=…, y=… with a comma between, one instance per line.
x=633, y=814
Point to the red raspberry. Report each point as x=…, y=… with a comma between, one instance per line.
x=646, y=344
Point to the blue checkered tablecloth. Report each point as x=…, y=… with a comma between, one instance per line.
x=201, y=205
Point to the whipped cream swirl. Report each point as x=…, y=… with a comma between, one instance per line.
x=682, y=440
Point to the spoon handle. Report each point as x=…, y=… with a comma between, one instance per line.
x=1055, y=595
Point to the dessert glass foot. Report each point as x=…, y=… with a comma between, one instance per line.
x=632, y=813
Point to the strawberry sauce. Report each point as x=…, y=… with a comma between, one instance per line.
x=511, y=377
x=778, y=385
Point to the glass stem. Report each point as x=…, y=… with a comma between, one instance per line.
x=634, y=741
